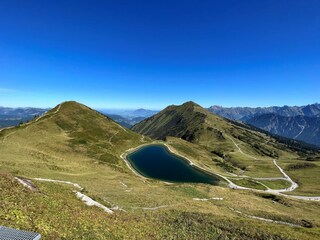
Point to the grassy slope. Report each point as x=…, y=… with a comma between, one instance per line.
x=79, y=145
x=217, y=138
x=57, y=214
x=307, y=177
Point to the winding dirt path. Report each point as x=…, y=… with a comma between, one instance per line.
x=286, y=177
x=86, y=199
x=40, y=117
x=293, y=186
x=264, y=219
x=28, y=123
x=59, y=181
x=6, y=128
x=231, y=185
x=90, y=202
x=240, y=150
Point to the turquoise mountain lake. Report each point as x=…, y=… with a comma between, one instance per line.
x=156, y=161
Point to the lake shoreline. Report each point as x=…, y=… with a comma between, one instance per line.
x=200, y=174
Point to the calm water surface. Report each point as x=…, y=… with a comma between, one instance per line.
x=156, y=161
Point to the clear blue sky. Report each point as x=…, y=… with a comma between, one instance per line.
x=130, y=54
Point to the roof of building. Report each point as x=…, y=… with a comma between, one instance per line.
x=13, y=234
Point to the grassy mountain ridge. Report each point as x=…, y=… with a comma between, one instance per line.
x=232, y=147
x=195, y=124
x=74, y=128
x=174, y=121
x=75, y=143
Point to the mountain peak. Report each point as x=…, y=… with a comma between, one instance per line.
x=68, y=106
x=190, y=104
x=182, y=121
x=71, y=104
x=215, y=107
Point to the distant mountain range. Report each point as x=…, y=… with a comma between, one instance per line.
x=127, y=122
x=129, y=113
x=296, y=122
x=128, y=118
x=143, y=113
x=299, y=127
x=301, y=123
x=245, y=113
x=13, y=116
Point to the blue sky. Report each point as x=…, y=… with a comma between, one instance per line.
x=132, y=54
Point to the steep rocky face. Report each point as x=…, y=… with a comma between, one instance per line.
x=301, y=123
x=245, y=113
x=299, y=127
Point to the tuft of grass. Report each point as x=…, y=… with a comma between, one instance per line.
x=276, y=184
x=249, y=183
x=275, y=198
x=302, y=165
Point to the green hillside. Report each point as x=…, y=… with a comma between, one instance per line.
x=76, y=144
x=68, y=128
x=195, y=124
x=224, y=146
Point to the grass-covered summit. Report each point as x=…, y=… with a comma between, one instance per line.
x=195, y=124
x=227, y=146
x=68, y=129
x=77, y=144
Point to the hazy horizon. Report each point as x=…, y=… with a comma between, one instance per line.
x=153, y=109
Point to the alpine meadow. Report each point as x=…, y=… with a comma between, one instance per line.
x=159, y=120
